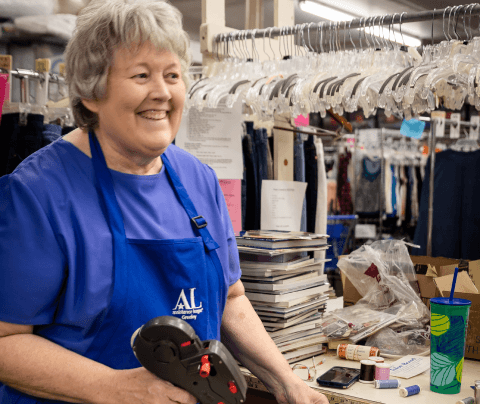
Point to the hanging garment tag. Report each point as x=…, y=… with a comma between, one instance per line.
x=43, y=65
x=474, y=128
x=455, y=126
x=61, y=69
x=438, y=119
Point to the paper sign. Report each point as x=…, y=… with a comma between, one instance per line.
x=232, y=191
x=410, y=366
x=214, y=136
x=282, y=203
x=412, y=128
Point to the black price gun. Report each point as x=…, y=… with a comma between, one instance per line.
x=169, y=348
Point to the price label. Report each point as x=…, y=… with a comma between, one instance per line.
x=43, y=65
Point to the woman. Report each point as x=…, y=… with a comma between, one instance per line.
x=100, y=232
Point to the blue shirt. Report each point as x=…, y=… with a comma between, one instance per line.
x=56, y=246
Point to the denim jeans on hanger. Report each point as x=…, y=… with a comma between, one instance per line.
x=311, y=178
x=299, y=174
x=261, y=152
x=248, y=146
x=8, y=130
x=25, y=141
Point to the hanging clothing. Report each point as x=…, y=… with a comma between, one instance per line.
x=344, y=194
x=252, y=208
x=88, y=288
x=311, y=177
x=369, y=187
x=322, y=201
x=299, y=173
x=456, y=217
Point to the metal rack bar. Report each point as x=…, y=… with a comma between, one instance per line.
x=31, y=74
x=390, y=19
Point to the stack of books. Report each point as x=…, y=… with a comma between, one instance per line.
x=286, y=288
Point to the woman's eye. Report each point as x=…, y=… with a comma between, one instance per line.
x=141, y=76
x=174, y=75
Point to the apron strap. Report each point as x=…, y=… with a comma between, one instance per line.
x=104, y=185
x=197, y=221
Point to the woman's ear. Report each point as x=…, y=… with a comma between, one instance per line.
x=91, y=105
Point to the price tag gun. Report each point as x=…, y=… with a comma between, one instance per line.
x=169, y=348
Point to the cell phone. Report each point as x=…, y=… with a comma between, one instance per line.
x=339, y=377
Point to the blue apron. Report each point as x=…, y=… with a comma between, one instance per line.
x=151, y=278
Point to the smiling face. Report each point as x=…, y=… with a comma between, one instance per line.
x=141, y=112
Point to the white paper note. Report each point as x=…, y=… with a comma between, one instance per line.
x=410, y=366
x=214, y=136
x=282, y=203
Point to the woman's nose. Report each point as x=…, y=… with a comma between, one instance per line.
x=160, y=89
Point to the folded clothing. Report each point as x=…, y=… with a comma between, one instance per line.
x=19, y=8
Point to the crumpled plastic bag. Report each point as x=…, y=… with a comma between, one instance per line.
x=383, y=274
x=393, y=344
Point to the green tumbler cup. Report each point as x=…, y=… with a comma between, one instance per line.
x=448, y=322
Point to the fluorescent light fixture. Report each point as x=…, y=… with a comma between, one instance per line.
x=323, y=11
x=332, y=14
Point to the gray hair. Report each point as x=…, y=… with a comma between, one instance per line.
x=105, y=26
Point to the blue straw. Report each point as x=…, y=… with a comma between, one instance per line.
x=452, y=291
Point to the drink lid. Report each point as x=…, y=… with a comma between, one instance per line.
x=454, y=302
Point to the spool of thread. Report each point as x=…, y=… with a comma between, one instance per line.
x=367, y=371
x=356, y=352
x=382, y=371
x=387, y=384
x=468, y=400
x=409, y=391
x=376, y=359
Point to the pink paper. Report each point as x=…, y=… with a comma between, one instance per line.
x=4, y=91
x=232, y=191
x=301, y=120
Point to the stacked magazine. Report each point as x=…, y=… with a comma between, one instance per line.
x=286, y=288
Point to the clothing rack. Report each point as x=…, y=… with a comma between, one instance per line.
x=364, y=22
x=431, y=152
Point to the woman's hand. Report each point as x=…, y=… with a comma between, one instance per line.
x=139, y=386
x=298, y=392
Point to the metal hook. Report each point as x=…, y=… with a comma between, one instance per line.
x=448, y=25
x=344, y=36
x=470, y=20
x=254, y=46
x=337, y=36
x=365, y=31
x=309, y=43
x=270, y=42
x=401, y=33
x=350, y=35
x=263, y=45
x=321, y=36
x=443, y=22
x=455, y=22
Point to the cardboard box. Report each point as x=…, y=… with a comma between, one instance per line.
x=465, y=289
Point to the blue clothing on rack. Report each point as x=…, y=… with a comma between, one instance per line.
x=456, y=216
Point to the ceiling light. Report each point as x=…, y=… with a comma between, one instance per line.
x=323, y=11
x=332, y=14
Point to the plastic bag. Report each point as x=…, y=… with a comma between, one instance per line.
x=383, y=273
x=393, y=344
x=363, y=321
